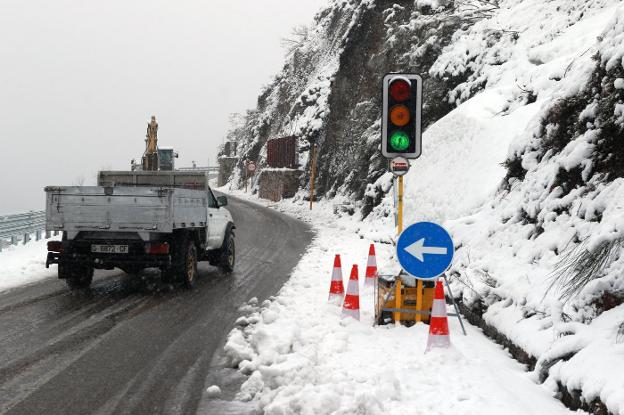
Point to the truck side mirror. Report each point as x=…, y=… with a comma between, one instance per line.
x=222, y=201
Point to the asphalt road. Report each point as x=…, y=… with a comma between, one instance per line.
x=131, y=346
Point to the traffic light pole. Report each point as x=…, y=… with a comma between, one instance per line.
x=401, y=139
x=400, y=207
x=398, y=284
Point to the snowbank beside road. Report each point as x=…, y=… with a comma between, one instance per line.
x=24, y=264
x=303, y=358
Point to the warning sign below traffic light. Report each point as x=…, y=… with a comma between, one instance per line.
x=401, y=116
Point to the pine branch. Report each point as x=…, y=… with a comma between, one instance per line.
x=579, y=266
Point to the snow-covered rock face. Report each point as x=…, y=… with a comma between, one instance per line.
x=522, y=158
x=329, y=91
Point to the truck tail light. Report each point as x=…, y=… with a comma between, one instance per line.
x=55, y=246
x=158, y=249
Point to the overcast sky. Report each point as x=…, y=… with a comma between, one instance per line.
x=80, y=79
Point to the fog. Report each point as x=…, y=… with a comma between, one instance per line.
x=80, y=79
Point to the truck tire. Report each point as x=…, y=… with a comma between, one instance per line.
x=189, y=266
x=227, y=254
x=183, y=263
x=132, y=269
x=76, y=276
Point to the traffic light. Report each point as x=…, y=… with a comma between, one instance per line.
x=401, y=118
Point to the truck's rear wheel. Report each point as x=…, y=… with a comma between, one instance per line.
x=132, y=269
x=227, y=257
x=76, y=276
x=183, y=264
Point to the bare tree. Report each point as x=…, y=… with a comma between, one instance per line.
x=79, y=180
x=298, y=36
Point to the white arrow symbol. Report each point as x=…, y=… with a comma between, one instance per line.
x=418, y=249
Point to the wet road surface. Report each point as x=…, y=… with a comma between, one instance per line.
x=132, y=346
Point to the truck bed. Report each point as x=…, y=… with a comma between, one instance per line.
x=124, y=208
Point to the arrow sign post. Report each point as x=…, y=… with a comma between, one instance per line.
x=425, y=250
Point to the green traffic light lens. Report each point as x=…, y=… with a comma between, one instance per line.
x=399, y=141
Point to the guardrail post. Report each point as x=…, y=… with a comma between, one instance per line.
x=26, y=238
x=48, y=235
x=13, y=240
x=38, y=235
x=55, y=233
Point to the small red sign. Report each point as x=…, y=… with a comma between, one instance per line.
x=399, y=166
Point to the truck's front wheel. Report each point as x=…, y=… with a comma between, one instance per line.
x=227, y=257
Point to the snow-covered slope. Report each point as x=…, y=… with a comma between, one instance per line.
x=527, y=175
x=523, y=161
x=303, y=358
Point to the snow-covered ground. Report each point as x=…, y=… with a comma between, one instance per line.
x=24, y=264
x=526, y=58
x=511, y=241
x=302, y=357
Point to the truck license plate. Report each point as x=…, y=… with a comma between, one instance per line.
x=109, y=249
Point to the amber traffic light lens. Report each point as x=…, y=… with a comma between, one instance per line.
x=399, y=115
x=400, y=90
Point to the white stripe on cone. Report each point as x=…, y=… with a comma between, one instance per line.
x=351, y=313
x=439, y=308
x=353, y=289
x=372, y=261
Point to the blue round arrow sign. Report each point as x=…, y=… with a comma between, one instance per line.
x=425, y=250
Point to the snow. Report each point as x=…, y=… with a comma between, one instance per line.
x=24, y=264
x=475, y=155
x=503, y=260
x=521, y=61
x=303, y=357
x=213, y=391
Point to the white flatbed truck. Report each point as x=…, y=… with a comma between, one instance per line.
x=140, y=219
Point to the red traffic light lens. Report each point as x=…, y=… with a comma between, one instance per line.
x=400, y=90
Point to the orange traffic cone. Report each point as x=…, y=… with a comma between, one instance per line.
x=438, y=324
x=336, y=289
x=351, y=305
x=371, y=266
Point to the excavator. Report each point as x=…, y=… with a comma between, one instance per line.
x=155, y=158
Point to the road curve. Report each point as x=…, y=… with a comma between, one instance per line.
x=130, y=346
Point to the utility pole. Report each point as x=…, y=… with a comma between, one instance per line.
x=246, y=174
x=312, y=174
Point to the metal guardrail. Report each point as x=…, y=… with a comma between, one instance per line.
x=21, y=227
